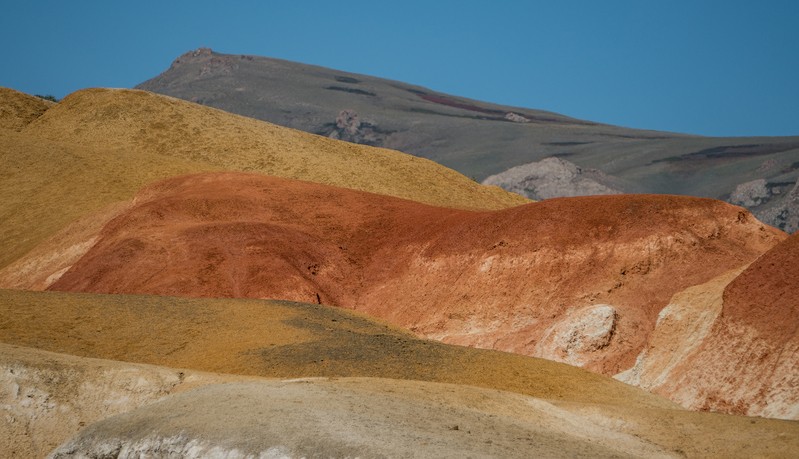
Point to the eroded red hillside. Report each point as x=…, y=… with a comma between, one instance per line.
x=749, y=361
x=579, y=280
x=766, y=295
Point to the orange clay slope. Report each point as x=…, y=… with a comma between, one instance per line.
x=580, y=280
x=744, y=352
x=97, y=147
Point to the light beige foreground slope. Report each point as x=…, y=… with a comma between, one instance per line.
x=353, y=418
x=48, y=397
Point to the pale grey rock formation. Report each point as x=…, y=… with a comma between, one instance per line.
x=553, y=178
x=516, y=118
x=350, y=127
x=579, y=335
x=782, y=212
x=749, y=194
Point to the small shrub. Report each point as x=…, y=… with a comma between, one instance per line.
x=49, y=97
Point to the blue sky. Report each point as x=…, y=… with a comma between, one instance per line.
x=705, y=67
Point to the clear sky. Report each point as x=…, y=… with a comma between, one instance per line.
x=705, y=67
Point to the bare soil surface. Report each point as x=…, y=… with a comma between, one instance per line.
x=353, y=418
x=730, y=344
x=495, y=279
x=766, y=295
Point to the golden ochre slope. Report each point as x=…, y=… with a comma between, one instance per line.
x=98, y=146
x=281, y=339
x=285, y=339
x=17, y=109
x=125, y=120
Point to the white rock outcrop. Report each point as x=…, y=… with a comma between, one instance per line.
x=579, y=335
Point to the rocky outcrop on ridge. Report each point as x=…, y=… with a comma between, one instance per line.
x=782, y=211
x=553, y=178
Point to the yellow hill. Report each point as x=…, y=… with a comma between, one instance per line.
x=282, y=339
x=98, y=146
x=18, y=109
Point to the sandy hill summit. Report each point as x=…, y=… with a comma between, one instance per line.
x=536, y=153
x=183, y=281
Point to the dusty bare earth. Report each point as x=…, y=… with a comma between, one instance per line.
x=504, y=280
x=737, y=339
x=582, y=281
x=578, y=280
x=47, y=397
x=345, y=418
x=298, y=418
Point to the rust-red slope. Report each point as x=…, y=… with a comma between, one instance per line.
x=576, y=279
x=766, y=295
x=749, y=363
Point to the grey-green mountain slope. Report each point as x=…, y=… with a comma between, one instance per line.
x=497, y=144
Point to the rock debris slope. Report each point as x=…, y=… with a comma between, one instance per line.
x=581, y=280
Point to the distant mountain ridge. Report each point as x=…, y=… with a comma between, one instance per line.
x=481, y=139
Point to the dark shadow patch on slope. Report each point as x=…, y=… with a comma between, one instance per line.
x=565, y=144
x=351, y=90
x=732, y=152
x=498, y=115
x=346, y=79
